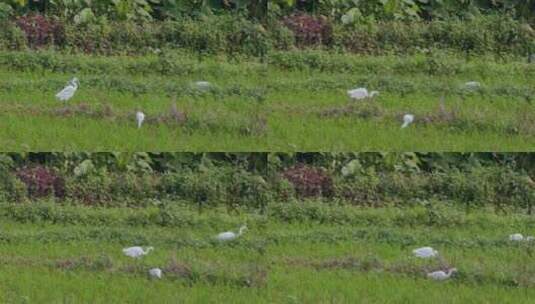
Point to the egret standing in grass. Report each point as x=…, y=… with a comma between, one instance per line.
x=155, y=273
x=68, y=92
x=517, y=237
x=203, y=85
x=441, y=275
x=407, y=120
x=472, y=85
x=137, y=252
x=361, y=93
x=140, y=118
x=229, y=235
x=425, y=252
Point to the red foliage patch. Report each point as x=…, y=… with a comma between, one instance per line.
x=309, y=30
x=42, y=182
x=41, y=31
x=309, y=181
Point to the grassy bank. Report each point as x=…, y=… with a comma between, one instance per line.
x=292, y=101
x=275, y=261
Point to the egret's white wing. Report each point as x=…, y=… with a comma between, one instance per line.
x=156, y=273
x=225, y=236
x=66, y=93
x=472, y=85
x=360, y=93
x=437, y=275
x=424, y=252
x=516, y=237
x=134, y=252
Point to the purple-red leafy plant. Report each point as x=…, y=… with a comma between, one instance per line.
x=42, y=182
x=41, y=31
x=309, y=181
x=309, y=30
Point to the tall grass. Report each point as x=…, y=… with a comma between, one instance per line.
x=282, y=105
x=275, y=261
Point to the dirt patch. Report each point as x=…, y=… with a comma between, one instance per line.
x=364, y=110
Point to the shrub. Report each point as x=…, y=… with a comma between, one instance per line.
x=5, y=12
x=89, y=38
x=309, y=30
x=205, y=186
x=513, y=189
x=360, y=39
x=282, y=37
x=41, y=31
x=12, y=189
x=42, y=182
x=247, y=38
x=472, y=187
x=93, y=188
x=134, y=189
x=283, y=190
x=362, y=189
x=402, y=187
x=309, y=181
x=11, y=37
x=248, y=190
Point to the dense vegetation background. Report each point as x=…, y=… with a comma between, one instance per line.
x=257, y=27
x=254, y=180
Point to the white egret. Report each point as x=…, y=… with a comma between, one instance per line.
x=136, y=251
x=407, y=120
x=517, y=237
x=425, y=252
x=155, y=273
x=361, y=93
x=472, y=85
x=229, y=235
x=68, y=92
x=140, y=118
x=203, y=85
x=441, y=275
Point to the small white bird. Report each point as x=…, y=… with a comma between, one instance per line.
x=517, y=237
x=155, y=273
x=472, y=85
x=425, y=252
x=529, y=238
x=140, y=118
x=407, y=120
x=136, y=251
x=229, y=235
x=441, y=275
x=203, y=85
x=361, y=93
x=68, y=92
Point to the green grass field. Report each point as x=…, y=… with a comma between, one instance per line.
x=62, y=254
x=288, y=102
